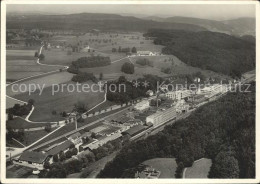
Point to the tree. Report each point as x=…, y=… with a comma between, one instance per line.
x=74, y=151
x=55, y=158
x=62, y=156
x=46, y=165
x=36, y=54
x=80, y=107
x=93, y=135
x=54, y=112
x=101, y=76
x=224, y=166
x=41, y=57
x=68, y=154
x=128, y=68
x=31, y=101
x=134, y=50
x=119, y=49
x=47, y=128
x=113, y=49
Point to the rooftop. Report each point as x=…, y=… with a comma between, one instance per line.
x=33, y=156
x=134, y=130
x=63, y=146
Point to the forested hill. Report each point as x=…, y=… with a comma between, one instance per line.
x=208, y=50
x=87, y=21
x=222, y=130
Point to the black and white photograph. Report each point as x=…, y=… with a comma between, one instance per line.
x=129, y=90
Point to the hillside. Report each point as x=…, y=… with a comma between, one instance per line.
x=211, y=25
x=208, y=50
x=88, y=21
x=222, y=130
x=242, y=26
x=237, y=27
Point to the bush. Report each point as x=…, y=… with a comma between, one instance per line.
x=84, y=77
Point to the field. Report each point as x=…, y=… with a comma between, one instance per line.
x=167, y=166
x=11, y=102
x=61, y=101
x=19, y=123
x=170, y=61
x=199, y=169
x=22, y=63
x=43, y=81
x=30, y=137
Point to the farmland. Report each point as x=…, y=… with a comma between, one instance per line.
x=199, y=169
x=22, y=63
x=19, y=123
x=47, y=103
x=167, y=166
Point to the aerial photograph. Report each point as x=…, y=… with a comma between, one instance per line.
x=135, y=91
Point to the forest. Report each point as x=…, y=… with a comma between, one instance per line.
x=222, y=130
x=218, y=52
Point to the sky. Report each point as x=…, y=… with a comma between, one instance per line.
x=212, y=11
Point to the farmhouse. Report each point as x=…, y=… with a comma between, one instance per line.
x=145, y=53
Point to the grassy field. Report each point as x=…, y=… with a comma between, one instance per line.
x=169, y=61
x=61, y=101
x=167, y=166
x=44, y=81
x=22, y=63
x=199, y=169
x=20, y=123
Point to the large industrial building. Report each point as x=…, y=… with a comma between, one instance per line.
x=161, y=117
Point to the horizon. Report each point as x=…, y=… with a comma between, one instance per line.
x=211, y=11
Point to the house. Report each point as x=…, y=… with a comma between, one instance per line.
x=75, y=138
x=32, y=159
x=145, y=53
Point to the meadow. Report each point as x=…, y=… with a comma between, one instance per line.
x=199, y=169
x=167, y=166
x=48, y=106
x=22, y=63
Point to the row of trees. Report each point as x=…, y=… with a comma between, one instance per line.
x=124, y=50
x=144, y=62
x=222, y=130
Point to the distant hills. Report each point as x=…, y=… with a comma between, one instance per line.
x=218, y=52
x=238, y=27
x=87, y=21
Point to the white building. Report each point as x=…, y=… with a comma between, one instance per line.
x=144, y=104
x=161, y=117
x=145, y=53
x=178, y=95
